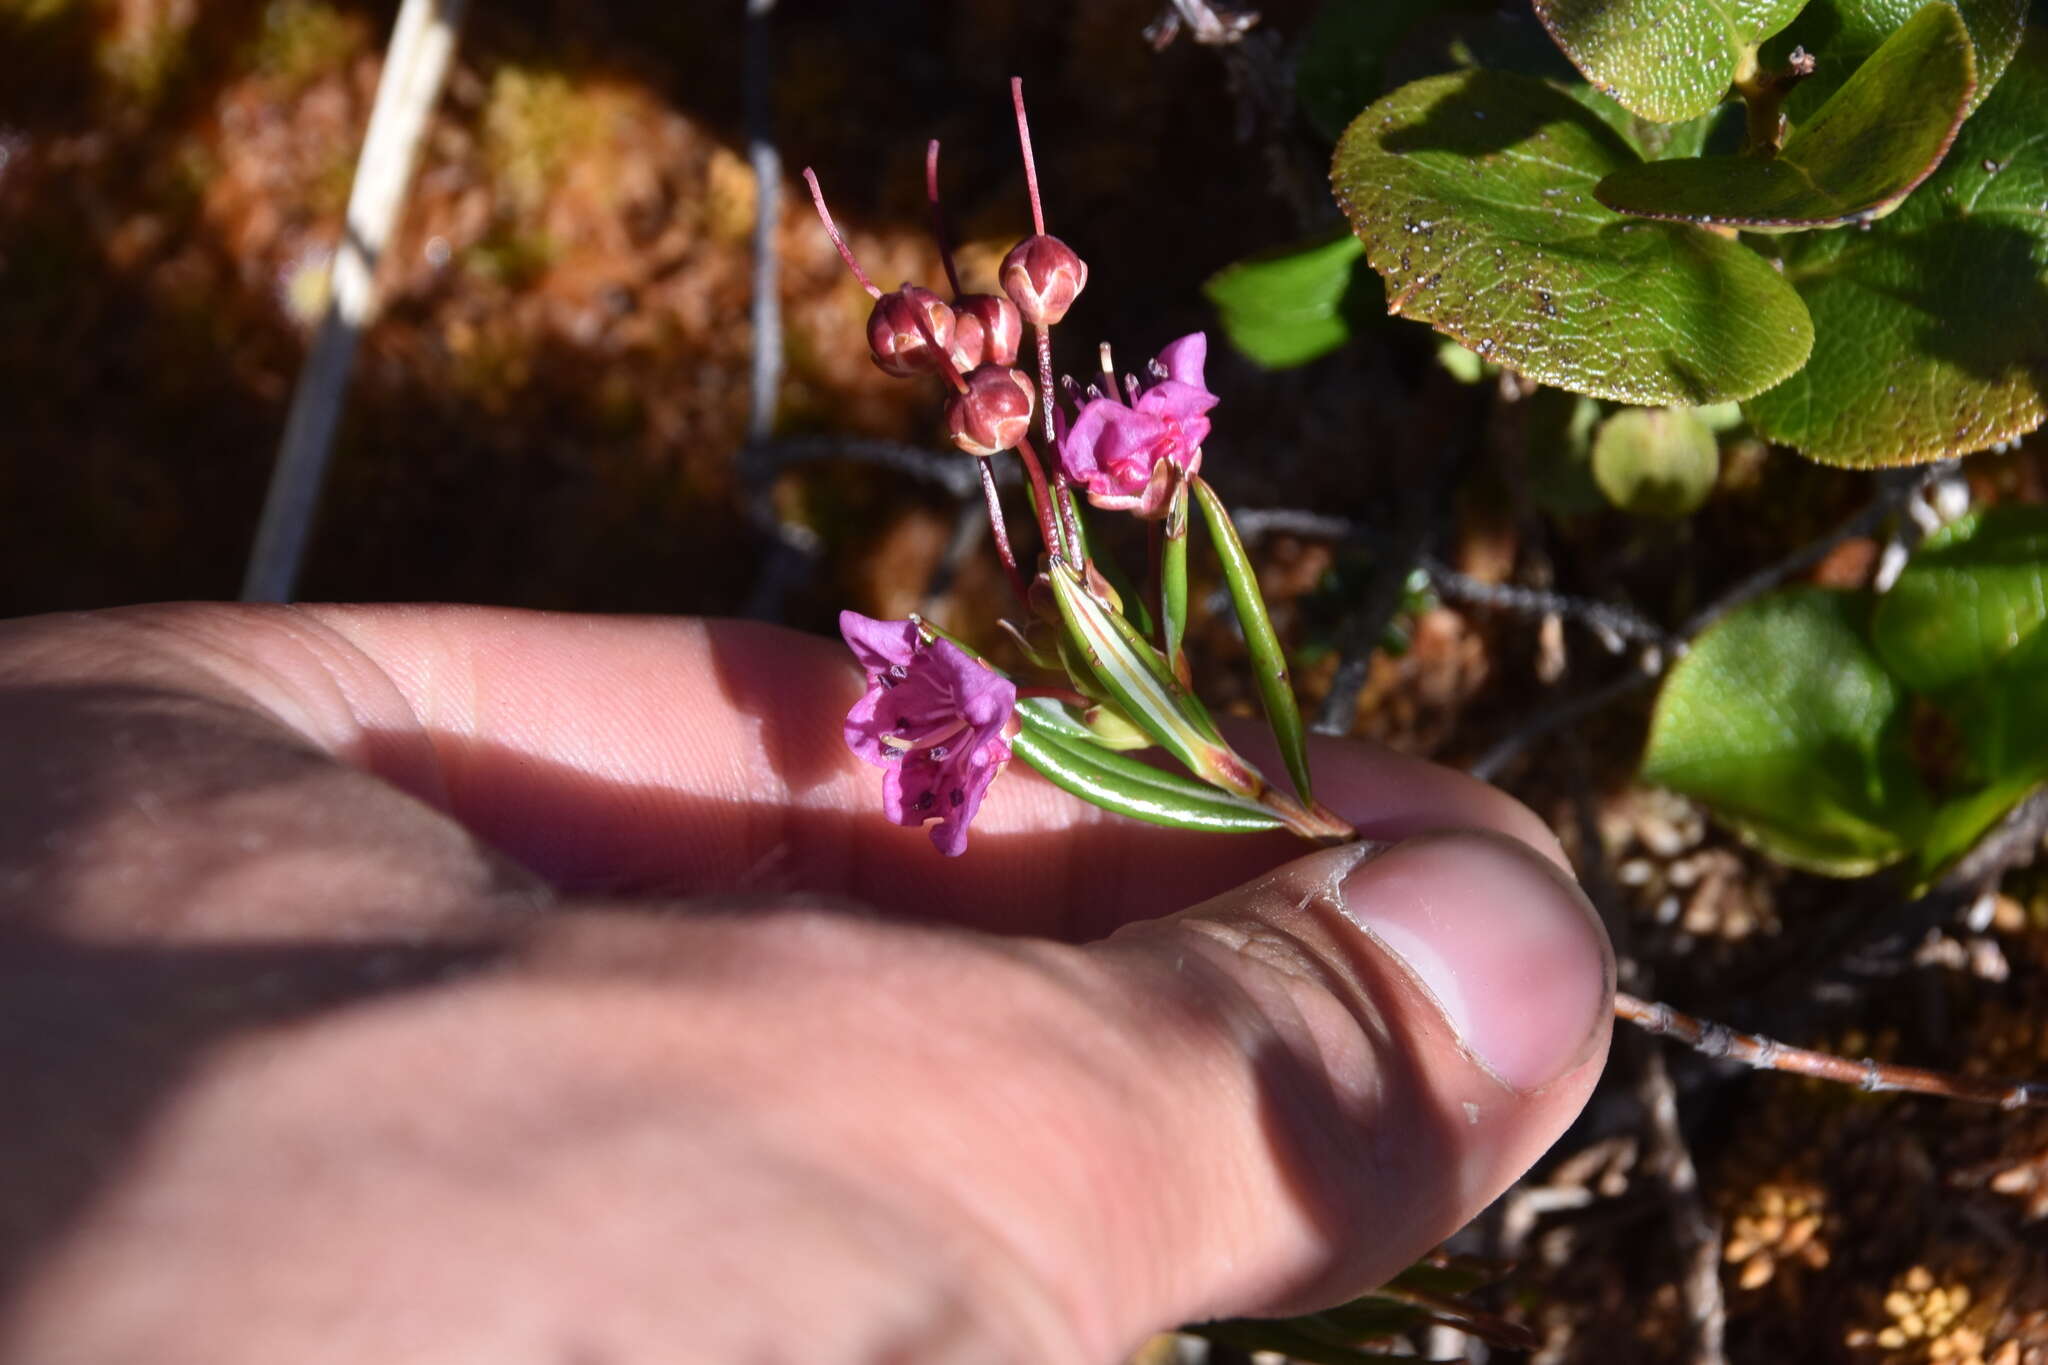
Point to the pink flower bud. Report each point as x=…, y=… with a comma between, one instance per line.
x=1043, y=277
x=969, y=346
x=898, y=329
x=995, y=412
x=1002, y=327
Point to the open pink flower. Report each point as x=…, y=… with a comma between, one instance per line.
x=934, y=718
x=1130, y=456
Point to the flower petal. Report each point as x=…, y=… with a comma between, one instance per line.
x=878, y=645
x=1183, y=360
x=1171, y=400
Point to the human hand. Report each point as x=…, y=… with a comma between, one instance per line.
x=450, y=984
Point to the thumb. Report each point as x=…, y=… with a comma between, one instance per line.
x=1358, y=1051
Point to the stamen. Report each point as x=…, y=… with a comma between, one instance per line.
x=958, y=796
x=925, y=801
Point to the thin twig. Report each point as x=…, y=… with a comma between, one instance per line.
x=1699, y=1237
x=415, y=67
x=1609, y=620
x=950, y=469
x=1649, y=666
x=1433, y=444
x=766, y=370
x=1259, y=522
x=1895, y=489
x=1722, y=1043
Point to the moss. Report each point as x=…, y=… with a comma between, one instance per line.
x=534, y=122
x=302, y=40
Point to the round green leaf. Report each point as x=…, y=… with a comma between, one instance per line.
x=1963, y=624
x=1784, y=723
x=1291, y=306
x=1656, y=462
x=1931, y=327
x=1664, y=59
x=1473, y=195
x=1841, y=34
x=1861, y=154
x=1974, y=593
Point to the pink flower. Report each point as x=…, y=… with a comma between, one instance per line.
x=934, y=718
x=1129, y=457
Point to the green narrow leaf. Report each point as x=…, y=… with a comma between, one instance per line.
x=1269, y=661
x=1134, y=601
x=1131, y=670
x=1667, y=60
x=1173, y=579
x=1128, y=787
x=1473, y=194
x=1783, y=721
x=1931, y=326
x=1288, y=307
x=1856, y=159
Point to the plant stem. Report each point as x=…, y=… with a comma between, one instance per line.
x=1001, y=531
x=1041, y=503
x=939, y=234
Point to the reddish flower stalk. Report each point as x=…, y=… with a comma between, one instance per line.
x=1002, y=535
x=1048, y=524
x=1043, y=332
x=1030, y=167
x=832, y=231
x=939, y=234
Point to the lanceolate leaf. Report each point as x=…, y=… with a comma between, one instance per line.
x=1134, y=675
x=1269, y=661
x=1784, y=722
x=1473, y=195
x=1129, y=787
x=1855, y=159
x=1932, y=325
x=1841, y=34
x=1664, y=59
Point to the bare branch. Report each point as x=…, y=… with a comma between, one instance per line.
x=1722, y=1043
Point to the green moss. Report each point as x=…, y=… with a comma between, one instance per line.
x=302, y=40
x=534, y=123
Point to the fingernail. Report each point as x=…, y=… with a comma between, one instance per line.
x=1507, y=946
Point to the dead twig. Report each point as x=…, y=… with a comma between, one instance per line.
x=1722, y=1043
x=1668, y=1156
x=415, y=67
